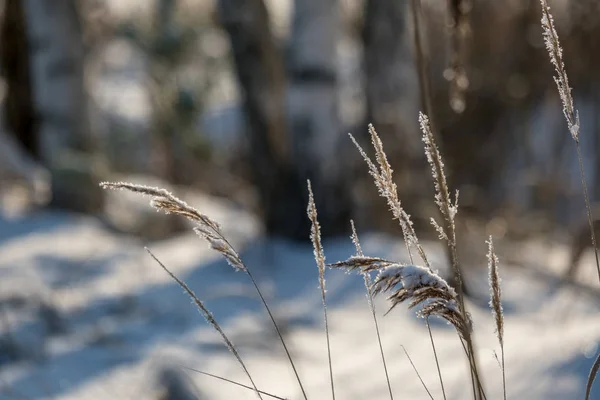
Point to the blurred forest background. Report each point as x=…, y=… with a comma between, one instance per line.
x=233, y=105
x=246, y=99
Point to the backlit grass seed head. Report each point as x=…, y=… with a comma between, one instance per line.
x=383, y=178
x=418, y=285
x=495, y=291
x=206, y=228
x=561, y=78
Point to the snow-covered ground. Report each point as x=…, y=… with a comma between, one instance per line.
x=91, y=316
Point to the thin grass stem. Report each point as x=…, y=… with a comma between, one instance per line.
x=287, y=352
x=209, y=318
x=417, y=372
x=232, y=382
x=367, y=280
x=315, y=237
x=437, y=362
x=588, y=207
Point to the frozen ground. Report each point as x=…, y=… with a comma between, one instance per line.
x=90, y=316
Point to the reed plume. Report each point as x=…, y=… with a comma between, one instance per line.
x=315, y=237
x=209, y=230
x=496, y=303
x=383, y=178
x=418, y=285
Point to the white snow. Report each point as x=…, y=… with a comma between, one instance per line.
x=124, y=318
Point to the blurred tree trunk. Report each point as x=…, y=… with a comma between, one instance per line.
x=317, y=137
x=384, y=52
x=18, y=111
x=286, y=152
x=161, y=65
x=387, y=61
x=56, y=65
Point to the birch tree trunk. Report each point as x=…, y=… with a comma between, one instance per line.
x=56, y=58
x=384, y=53
x=294, y=140
x=315, y=128
x=390, y=88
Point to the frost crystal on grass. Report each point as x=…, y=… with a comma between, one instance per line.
x=561, y=78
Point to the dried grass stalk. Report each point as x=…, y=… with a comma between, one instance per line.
x=232, y=382
x=208, y=316
x=496, y=304
x=208, y=229
x=367, y=280
x=495, y=291
x=572, y=118
x=383, y=177
x=448, y=209
x=561, y=78
x=315, y=237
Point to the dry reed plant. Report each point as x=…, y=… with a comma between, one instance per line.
x=382, y=176
x=572, y=118
x=419, y=286
x=315, y=237
x=448, y=209
x=367, y=281
x=496, y=304
x=164, y=201
x=232, y=382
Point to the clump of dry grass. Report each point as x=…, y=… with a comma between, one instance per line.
x=418, y=286
x=455, y=311
x=209, y=230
